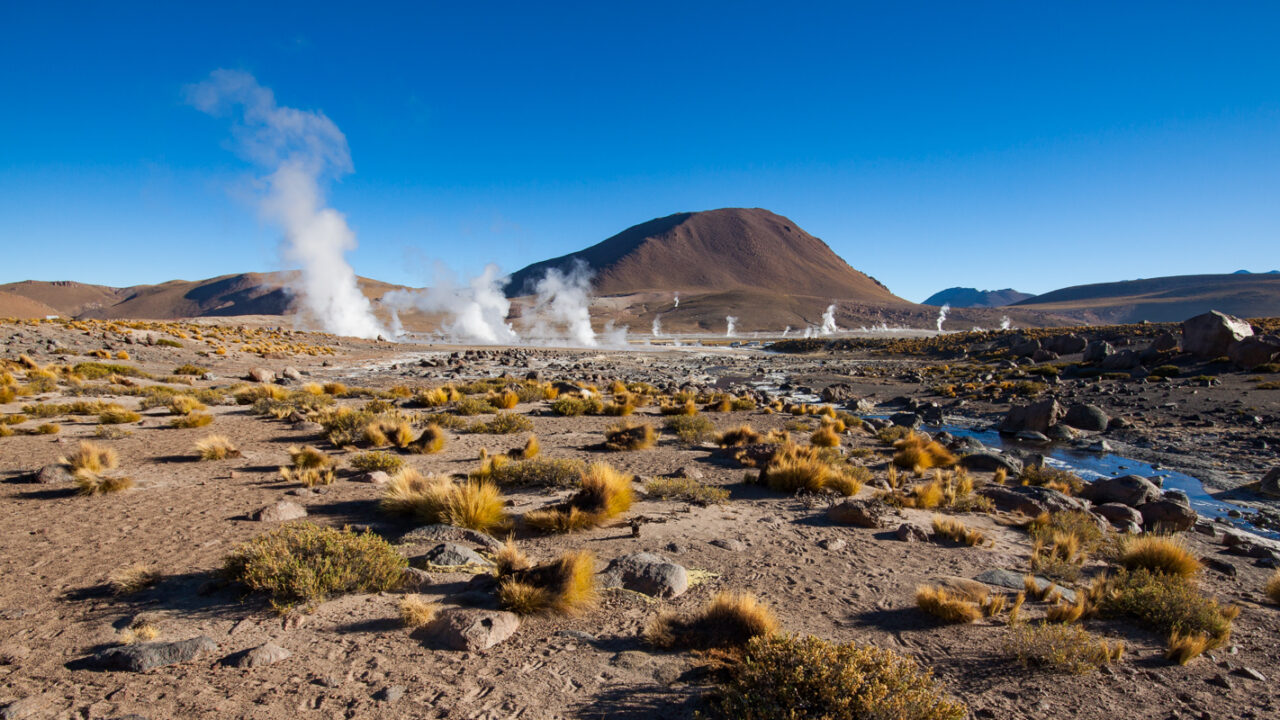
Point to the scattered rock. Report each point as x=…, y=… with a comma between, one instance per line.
x=13, y=653
x=908, y=532
x=53, y=474
x=838, y=393
x=281, y=511
x=1015, y=581
x=1270, y=484
x=1036, y=417
x=146, y=656
x=730, y=545
x=1166, y=514
x=906, y=419
x=1032, y=436
x=452, y=555
x=1086, y=417
x=416, y=579
x=1131, y=490
x=865, y=513
x=292, y=373
x=688, y=471
x=1030, y=500
x=1123, y=360
x=24, y=708
x=262, y=375
x=646, y=573
x=470, y=629
x=432, y=534
x=990, y=461
x=831, y=545
x=1069, y=344
x=265, y=654
x=389, y=694
x=377, y=477
x=1251, y=352
x=1119, y=515
x=1097, y=351
x=1211, y=334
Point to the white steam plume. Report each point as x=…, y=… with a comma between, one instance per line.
x=657, y=325
x=786, y=331
x=829, y=320
x=1005, y=323
x=730, y=321
x=476, y=312
x=300, y=151
x=563, y=301
x=677, y=300
x=942, y=315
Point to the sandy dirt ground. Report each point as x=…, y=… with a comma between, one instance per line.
x=351, y=656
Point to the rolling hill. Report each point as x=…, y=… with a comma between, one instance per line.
x=958, y=297
x=1163, y=299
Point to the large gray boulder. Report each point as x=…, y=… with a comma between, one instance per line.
x=281, y=511
x=145, y=656
x=1097, y=351
x=1251, y=352
x=1131, y=490
x=1036, y=417
x=1209, y=335
x=1121, y=516
x=1065, y=344
x=470, y=629
x=452, y=555
x=262, y=375
x=1270, y=484
x=864, y=513
x=1086, y=417
x=1168, y=514
x=1123, y=360
x=991, y=461
x=1031, y=500
x=652, y=575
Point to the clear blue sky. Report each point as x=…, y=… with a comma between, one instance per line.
x=1024, y=144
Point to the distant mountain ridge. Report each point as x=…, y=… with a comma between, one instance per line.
x=725, y=250
x=972, y=297
x=1164, y=299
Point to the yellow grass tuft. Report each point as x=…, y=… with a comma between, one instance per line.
x=194, y=420
x=139, y=632
x=1064, y=612
x=184, y=405
x=307, y=457
x=627, y=436
x=604, y=493
x=956, y=531
x=948, y=606
x=1159, y=554
x=509, y=558
x=505, y=400
x=310, y=477
x=88, y=483
x=529, y=451
x=736, y=437
x=416, y=611
x=132, y=578
x=216, y=447
x=565, y=587
x=919, y=453
x=475, y=504
x=91, y=457
x=429, y=442
x=729, y=620
x=825, y=436
x=1272, y=588
x=1185, y=648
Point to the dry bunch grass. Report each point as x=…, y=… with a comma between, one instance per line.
x=604, y=493
x=948, y=605
x=739, y=436
x=629, y=436
x=132, y=578
x=216, y=447
x=564, y=587
x=475, y=504
x=919, y=453
x=956, y=531
x=728, y=620
x=89, y=483
x=1159, y=554
x=91, y=457
x=416, y=611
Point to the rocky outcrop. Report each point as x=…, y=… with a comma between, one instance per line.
x=1211, y=334
x=1036, y=417
x=652, y=575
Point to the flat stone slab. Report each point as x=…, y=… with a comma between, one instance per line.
x=146, y=656
x=434, y=534
x=1013, y=581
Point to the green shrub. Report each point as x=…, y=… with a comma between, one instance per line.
x=377, y=460
x=473, y=406
x=692, y=429
x=685, y=490
x=98, y=370
x=570, y=405
x=538, y=472
x=305, y=563
x=189, y=369
x=1060, y=646
x=503, y=423
x=1168, y=603
x=1165, y=371
x=809, y=678
x=166, y=342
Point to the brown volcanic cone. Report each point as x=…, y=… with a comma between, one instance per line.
x=716, y=251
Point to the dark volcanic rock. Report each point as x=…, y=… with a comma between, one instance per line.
x=1209, y=335
x=1086, y=417
x=990, y=461
x=1131, y=490
x=1030, y=500
x=1036, y=417
x=145, y=656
